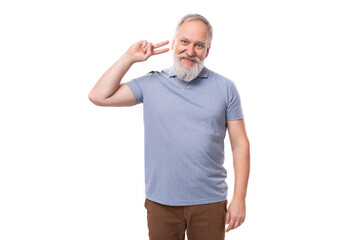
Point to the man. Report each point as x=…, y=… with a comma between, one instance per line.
x=187, y=109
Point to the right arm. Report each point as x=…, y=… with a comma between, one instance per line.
x=109, y=91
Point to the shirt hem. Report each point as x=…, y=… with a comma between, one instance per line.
x=186, y=202
x=236, y=118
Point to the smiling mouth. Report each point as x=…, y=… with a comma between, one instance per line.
x=188, y=60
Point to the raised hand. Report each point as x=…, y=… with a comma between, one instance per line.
x=142, y=50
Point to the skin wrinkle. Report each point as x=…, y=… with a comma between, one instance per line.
x=192, y=43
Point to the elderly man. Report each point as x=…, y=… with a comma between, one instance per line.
x=187, y=109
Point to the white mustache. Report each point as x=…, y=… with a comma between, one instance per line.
x=184, y=55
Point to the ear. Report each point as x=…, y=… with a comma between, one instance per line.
x=172, y=45
x=207, y=51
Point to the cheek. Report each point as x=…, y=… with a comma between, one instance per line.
x=180, y=49
x=201, y=54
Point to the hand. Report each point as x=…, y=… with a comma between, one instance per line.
x=235, y=215
x=142, y=50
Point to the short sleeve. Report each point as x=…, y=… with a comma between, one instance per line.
x=138, y=87
x=233, y=109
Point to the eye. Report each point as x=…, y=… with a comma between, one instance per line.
x=184, y=41
x=199, y=45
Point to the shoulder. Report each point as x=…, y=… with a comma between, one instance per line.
x=221, y=80
x=225, y=86
x=148, y=76
x=157, y=74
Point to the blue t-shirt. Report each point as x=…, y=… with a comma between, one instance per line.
x=185, y=127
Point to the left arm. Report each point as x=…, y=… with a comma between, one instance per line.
x=240, y=147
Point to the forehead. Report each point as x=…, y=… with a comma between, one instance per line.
x=194, y=30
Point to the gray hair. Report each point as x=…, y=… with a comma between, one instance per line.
x=190, y=17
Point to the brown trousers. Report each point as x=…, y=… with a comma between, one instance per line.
x=201, y=222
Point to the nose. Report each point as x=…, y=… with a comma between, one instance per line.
x=190, y=51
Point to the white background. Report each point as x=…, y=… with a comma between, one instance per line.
x=73, y=170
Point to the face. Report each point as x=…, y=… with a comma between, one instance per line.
x=191, y=42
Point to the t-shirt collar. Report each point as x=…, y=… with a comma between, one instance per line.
x=203, y=74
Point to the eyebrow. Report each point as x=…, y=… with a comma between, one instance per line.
x=184, y=38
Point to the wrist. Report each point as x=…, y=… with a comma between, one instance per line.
x=129, y=58
x=238, y=198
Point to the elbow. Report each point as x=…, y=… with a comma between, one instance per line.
x=246, y=142
x=247, y=146
x=93, y=99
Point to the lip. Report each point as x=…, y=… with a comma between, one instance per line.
x=188, y=61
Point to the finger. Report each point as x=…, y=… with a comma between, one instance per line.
x=227, y=218
x=160, y=44
x=145, y=48
x=148, y=45
x=159, y=51
x=231, y=225
x=143, y=43
x=237, y=224
x=148, y=48
x=228, y=229
x=242, y=220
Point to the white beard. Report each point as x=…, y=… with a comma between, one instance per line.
x=187, y=74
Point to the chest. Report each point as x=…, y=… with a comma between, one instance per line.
x=196, y=109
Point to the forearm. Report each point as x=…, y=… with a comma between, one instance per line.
x=241, y=163
x=110, y=80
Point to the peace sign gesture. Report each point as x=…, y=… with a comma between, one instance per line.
x=142, y=50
